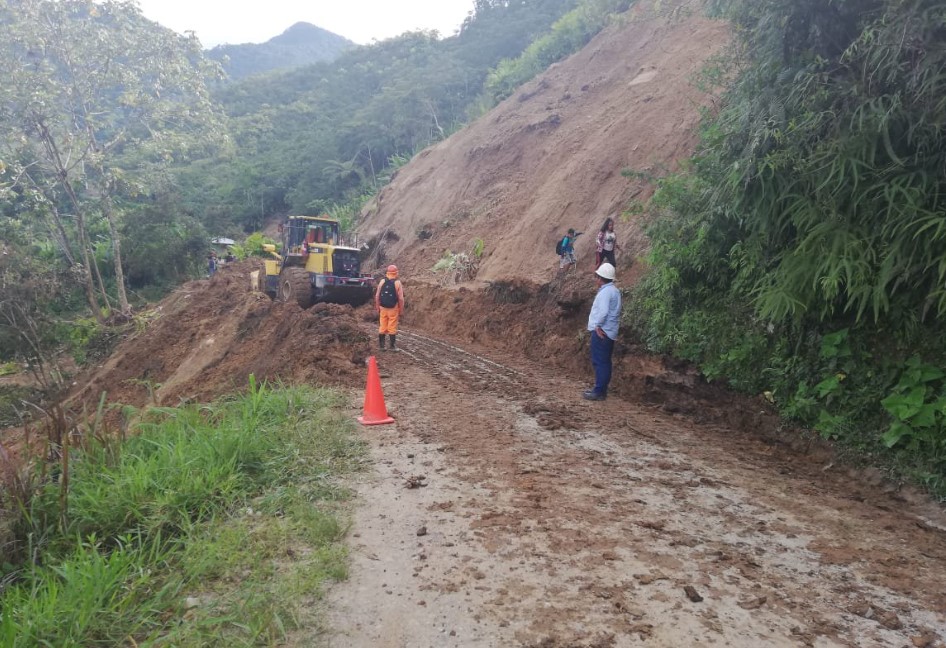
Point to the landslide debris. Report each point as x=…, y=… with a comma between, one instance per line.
x=207, y=337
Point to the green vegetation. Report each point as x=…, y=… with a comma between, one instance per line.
x=213, y=525
x=79, y=138
x=804, y=252
x=455, y=267
x=328, y=133
x=569, y=34
x=253, y=246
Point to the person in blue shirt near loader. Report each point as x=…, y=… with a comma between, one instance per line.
x=603, y=323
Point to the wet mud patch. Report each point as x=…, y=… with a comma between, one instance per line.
x=551, y=416
x=630, y=524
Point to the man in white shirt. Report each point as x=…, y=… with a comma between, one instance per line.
x=603, y=323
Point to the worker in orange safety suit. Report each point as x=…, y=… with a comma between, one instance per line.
x=389, y=304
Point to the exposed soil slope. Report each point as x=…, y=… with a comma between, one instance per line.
x=550, y=157
x=547, y=323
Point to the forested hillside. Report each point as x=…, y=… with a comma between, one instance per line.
x=114, y=178
x=97, y=105
x=301, y=44
x=328, y=135
x=805, y=254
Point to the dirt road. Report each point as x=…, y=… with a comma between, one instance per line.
x=507, y=511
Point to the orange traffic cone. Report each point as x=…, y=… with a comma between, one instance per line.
x=375, y=412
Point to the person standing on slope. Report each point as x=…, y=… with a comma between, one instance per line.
x=566, y=250
x=389, y=304
x=606, y=243
x=603, y=323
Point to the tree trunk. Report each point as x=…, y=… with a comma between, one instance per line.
x=433, y=114
x=58, y=231
x=88, y=261
x=53, y=155
x=102, y=290
x=117, y=254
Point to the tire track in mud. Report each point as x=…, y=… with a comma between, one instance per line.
x=551, y=521
x=460, y=366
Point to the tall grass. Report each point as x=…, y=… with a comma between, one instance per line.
x=210, y=525
x=90, y=597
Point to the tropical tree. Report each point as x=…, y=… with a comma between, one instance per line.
x=95, y=100
x=341, y=172
x=817, y=193
x=31, y=288
x=803, y=253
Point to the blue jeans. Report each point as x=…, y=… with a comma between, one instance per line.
x=601, y=350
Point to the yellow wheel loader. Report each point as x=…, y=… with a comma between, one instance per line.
x=314, y=266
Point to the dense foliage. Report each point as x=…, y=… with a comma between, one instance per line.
x=95, y=103
x=804, y=254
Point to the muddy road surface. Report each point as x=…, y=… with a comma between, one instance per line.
x=504, y=510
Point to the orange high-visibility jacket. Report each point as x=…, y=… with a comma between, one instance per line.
x=397, y=286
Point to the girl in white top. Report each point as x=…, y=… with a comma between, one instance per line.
x=606, y=244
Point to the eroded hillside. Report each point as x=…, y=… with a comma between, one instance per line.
x=551, y=156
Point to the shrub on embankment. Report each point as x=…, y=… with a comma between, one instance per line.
x=803, y=253
x=212, y=525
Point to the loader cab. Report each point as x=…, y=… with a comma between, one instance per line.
x=303, y=233
x=314, y=266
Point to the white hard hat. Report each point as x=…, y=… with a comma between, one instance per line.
x=605, y=271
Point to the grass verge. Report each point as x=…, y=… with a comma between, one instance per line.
x=213, y=525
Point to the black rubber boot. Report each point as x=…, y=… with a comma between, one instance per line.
x=381, y=341
x=393, y=342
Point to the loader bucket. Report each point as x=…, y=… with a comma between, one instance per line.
x=347, y=294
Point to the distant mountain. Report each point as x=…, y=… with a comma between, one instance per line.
x=301, y=44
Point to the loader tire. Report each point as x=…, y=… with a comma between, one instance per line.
x=294, y=286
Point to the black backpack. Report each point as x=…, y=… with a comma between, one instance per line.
x=560, y=246
x=388, y=296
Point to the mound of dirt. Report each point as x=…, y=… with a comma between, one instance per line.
x=547, y=323
x=208, y=336
x=551, y=156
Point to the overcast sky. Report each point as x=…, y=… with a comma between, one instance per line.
x=256, y=21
